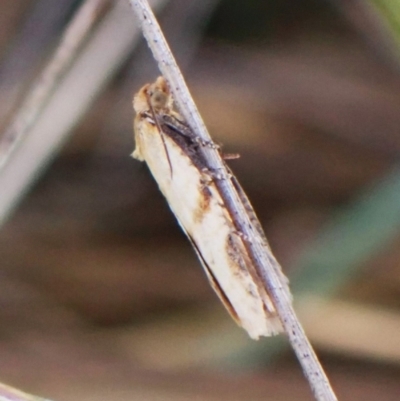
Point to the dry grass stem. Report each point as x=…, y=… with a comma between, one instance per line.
x=9, y=393
x=50, y=112
x=42, y=89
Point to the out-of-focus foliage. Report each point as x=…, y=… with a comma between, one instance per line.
x=99, y=290
x=389, y=10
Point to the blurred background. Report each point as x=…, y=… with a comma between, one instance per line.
x=100, y=293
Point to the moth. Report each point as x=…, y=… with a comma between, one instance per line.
x=173, y=155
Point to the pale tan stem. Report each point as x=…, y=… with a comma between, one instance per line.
x=43, y=88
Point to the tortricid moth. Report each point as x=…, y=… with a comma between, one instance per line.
x=173, y=154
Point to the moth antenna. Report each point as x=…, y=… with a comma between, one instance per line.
x=160, y=133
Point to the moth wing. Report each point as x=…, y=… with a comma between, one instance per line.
x=254, y=219
x=200, y=212
x=213, y=281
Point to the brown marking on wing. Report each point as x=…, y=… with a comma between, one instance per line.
x=235, y=254
x=204, y=202
x=241, y=265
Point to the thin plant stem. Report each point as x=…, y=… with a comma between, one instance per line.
x=8, y=393
x=259, y=251
x=42, y=89
x=65, y=102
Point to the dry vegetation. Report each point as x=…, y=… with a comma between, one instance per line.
x=101, y=296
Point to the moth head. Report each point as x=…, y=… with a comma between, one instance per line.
x=159, y=94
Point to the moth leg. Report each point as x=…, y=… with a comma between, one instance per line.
x=230, y=156
x=206, y=178
x=204, y=143
x=241, y=235
x=214, y=174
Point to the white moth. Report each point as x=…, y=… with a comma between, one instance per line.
x=172, y=152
